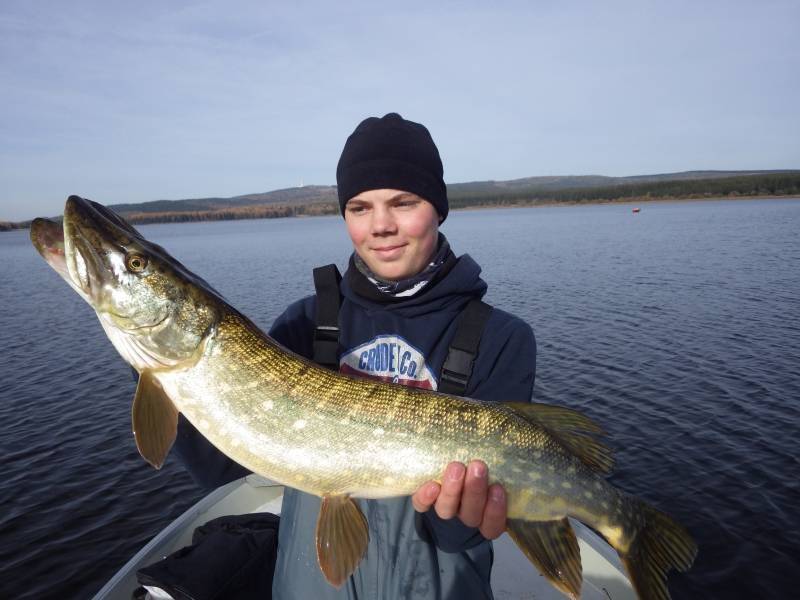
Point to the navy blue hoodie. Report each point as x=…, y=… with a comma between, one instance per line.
x=405, y=341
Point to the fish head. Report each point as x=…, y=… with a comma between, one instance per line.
x=154, y=310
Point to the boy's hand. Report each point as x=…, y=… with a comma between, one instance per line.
x=465, y=493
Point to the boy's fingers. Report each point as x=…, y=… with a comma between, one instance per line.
x=473, y=498
x=425, y=496
x=494, y=516
x=449, y=499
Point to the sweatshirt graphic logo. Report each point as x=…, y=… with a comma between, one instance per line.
x=389, y=358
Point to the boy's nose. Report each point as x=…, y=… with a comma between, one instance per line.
x=383, y=222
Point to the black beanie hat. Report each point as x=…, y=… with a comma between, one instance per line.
x=392, y=153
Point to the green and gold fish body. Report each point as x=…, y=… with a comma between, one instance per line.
x=321, y=432
x=338, y=436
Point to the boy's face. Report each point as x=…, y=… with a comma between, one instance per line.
x=394, y=232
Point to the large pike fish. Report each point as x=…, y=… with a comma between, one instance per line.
x=336, y=436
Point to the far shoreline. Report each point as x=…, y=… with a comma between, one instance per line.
x=634, y=202
x=24, y=225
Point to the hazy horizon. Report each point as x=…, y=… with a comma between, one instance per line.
x=133, y=103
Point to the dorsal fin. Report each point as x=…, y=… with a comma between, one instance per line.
x=572, y=429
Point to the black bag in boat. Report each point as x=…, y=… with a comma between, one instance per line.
x=231, y=558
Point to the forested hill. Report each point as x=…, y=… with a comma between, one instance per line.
x=530, y=191
x=687, y=185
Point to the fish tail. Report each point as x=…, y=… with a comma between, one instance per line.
x=659, y=545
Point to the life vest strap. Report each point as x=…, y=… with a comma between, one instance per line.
x=326, y=333
x=457, y=367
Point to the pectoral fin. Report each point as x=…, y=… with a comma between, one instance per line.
x=155, y=420
x=553, y=548
x=342, y=538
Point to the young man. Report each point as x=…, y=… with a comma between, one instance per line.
x=401, y=298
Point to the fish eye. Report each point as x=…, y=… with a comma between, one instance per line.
x=136, y=263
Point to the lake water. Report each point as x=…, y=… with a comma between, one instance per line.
x=678, y=329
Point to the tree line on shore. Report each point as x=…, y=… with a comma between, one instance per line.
x=778, y=184
x=9, y=226
x=239, y=212
x=761, y=185
x=782, y=184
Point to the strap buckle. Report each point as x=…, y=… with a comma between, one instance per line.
x=458, y=367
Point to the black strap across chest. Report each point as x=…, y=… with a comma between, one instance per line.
x=329, y=300
x=461, y=354
x=463, y=349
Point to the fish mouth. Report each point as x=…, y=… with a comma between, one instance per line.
x=47, y=237
x=91, y=232
x=83, y=263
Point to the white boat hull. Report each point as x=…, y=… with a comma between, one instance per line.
x=513, y=576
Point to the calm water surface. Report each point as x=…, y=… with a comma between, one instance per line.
x=678, y=329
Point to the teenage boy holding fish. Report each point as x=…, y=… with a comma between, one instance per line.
x=404, y=298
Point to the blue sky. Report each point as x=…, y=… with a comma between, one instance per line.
x=130, y=102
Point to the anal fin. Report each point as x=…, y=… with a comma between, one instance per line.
x=155, y=420
x=342, y=538
x=553, y=548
